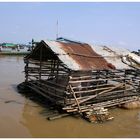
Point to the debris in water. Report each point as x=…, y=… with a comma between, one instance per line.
x=131, y=105
x=58, y=116
x=99, y=115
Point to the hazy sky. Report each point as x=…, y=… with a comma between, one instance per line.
x=116, y=24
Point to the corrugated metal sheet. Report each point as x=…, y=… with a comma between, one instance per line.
x=113, y=55
x=80, y=56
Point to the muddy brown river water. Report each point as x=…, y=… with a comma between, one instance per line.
x=20, y=117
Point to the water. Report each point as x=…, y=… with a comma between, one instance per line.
x=22, y=118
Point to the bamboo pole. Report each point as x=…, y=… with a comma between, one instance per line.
x=93, y=96
x=53, y=83
x=102, y=104
x=46, y=91
x=93, y=80
x=26, y=71
x=51, y=87
x=75, y=98
x=58, y=116
x=92, y=86
x=94, y=90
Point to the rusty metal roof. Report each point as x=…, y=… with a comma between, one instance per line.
x=82, y=56
x=79, y=56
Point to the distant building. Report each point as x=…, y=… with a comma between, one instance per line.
x=11, y=48
x=9, y=45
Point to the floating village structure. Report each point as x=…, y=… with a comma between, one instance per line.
x=14, y=49
x=81, y=78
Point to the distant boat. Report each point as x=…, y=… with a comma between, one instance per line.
x=13, y=49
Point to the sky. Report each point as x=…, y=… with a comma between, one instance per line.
x=114, y=24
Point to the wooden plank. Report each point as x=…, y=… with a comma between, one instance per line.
x=51, y=87
x=80, y=77
x=55, y=84
x=92, y=86
x=113, y=93
x=46, y=91
x=102, y=104
x=94, y=80
x=39, y=92
x=94, y=90
x=93, y=96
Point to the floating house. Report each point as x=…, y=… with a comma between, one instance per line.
x=80, y=77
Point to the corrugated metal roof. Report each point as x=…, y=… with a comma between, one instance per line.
x=78, y=56
x=113, y=55
x=81, y=56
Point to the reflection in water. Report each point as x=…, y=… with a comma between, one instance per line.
x=23, y=118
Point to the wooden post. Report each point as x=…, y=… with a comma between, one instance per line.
x=57, y=69
x=125, y=81
x=40, y=64
x=52, y=68
x=107, y=76
x=26, y=71
x=75, y=98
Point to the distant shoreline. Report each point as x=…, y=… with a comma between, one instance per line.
x=14, y=53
